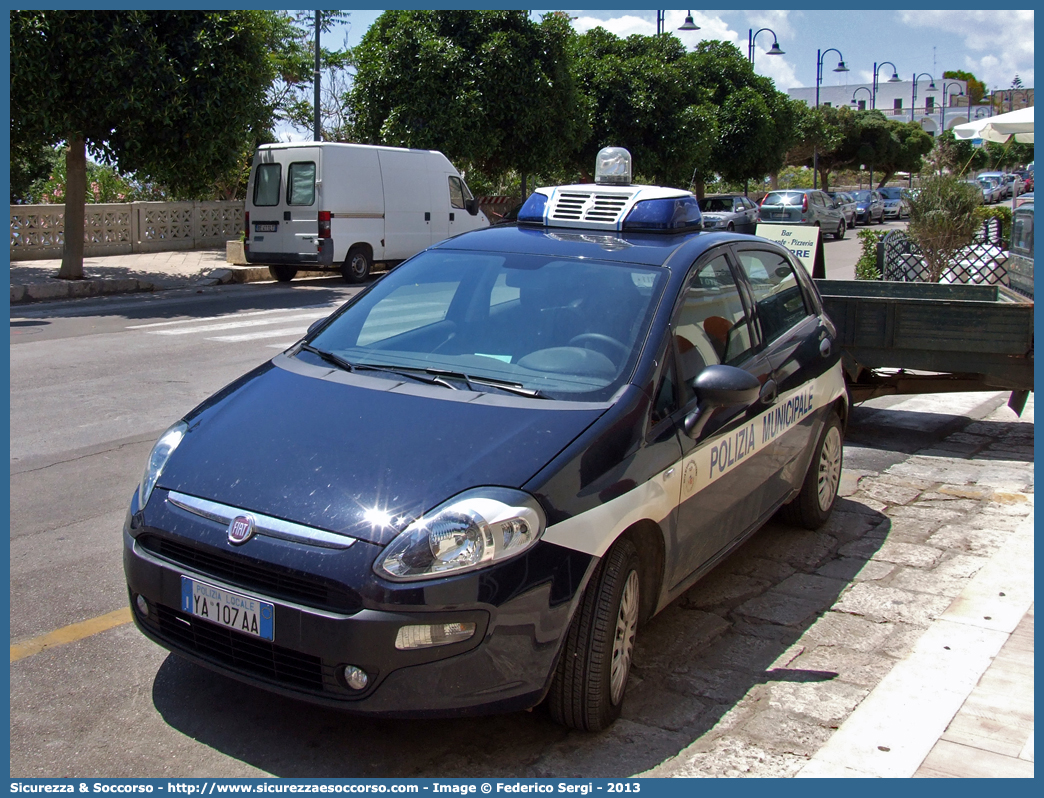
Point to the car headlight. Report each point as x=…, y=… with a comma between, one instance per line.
x=470, y=531
x=158, y=457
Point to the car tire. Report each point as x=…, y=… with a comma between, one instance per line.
x=839, y=234
x=731, y=228
x=812, y=506
x=356, y=267
x=590, y=680
x=283, y=274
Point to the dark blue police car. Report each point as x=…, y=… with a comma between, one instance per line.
x=466, y=489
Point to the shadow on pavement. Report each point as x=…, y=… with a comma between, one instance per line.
x=693, y=662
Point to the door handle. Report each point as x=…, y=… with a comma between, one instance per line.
x=286, y=216
x=825, y=347
x=451, y=217
x=427, y=216
x=768, y=392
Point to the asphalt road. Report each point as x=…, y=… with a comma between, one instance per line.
x=93, y=383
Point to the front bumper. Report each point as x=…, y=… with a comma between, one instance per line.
x=521, y=610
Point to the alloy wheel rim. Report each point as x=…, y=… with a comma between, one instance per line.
x=829, y=468
x=623, y=641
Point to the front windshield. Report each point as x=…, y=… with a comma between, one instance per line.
x=861, y=196
x=891, y=193
x=566, y=328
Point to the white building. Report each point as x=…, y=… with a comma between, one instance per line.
x=902, y=101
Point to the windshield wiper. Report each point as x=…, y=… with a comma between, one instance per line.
x=329, y=357
x=405, y=371
x=489, y=382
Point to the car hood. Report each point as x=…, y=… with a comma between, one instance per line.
x=322, y=447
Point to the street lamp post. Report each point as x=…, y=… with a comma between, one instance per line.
x=819, y=80
x=661, y=23
x=855, y=102
x=913, y=97
x=751, y=36
x=894, y=79
x=942, y=125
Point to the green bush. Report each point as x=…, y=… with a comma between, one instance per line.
x=943, y=219
x=866, y=266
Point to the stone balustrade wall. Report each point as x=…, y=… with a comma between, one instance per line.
x=38, y=231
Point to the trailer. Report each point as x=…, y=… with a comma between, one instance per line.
x=908, y=338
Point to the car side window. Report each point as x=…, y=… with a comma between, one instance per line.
x=456, y=192
x=266, y=184
x=777, y=294
x=711, y=325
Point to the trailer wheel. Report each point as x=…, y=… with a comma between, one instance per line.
x=587, y=691
x=283, y=274
x=813, y=505
x=357, y=265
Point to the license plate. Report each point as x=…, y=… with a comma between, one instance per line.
x=780, y=215
x=236, y=611
x=266, y=227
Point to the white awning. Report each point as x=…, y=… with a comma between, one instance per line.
x=999, y=128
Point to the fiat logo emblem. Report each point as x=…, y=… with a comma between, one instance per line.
x=240, y=530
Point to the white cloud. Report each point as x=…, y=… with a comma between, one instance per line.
x=776, y=21
x=620, y=26
x=776, y=67
x=1008, y=34
x=711, y=27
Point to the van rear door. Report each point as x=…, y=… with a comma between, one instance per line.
x=300, y=209
x=408, y=207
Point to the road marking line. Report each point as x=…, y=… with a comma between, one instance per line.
x=298, y=331
x=232, y=325
x=70, y=633
x=226, y=316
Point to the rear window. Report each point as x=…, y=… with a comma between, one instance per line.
x=266, y=184
x=300, y=189
x=783, y=198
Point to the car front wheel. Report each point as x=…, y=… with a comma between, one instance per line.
x=813, y=505
x=590, y=680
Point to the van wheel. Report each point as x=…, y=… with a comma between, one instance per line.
x=590, y=680
x=813, y=505
x=283, y=274
x=356, y=266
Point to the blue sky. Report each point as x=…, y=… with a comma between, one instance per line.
x=993, y=45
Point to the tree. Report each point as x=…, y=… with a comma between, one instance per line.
x=168, y=95
x=638, y=93
x=489, y=88
x=754, y=122
x=910, y=144
x=976, y=89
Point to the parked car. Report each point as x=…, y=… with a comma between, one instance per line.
x=803, y=206
x=846, y=204
x=999, y=177
x=1020, y=261
x=729, y=212
x=869, y=206
x=896, y=203
x=1028, y=197
x=987, y=189
x=1027, y=179
x=533, y=438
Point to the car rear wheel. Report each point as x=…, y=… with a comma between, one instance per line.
x=813, y=505
x=841, y=229
x=590, y=680
x=283, y=274
x=357, y=265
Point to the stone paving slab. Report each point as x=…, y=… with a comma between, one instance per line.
x=899, y=587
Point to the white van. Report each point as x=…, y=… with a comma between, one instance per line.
x=320, y=205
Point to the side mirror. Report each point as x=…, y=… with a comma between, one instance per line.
x=315, y=325
x=471, y=205
x=719, y=386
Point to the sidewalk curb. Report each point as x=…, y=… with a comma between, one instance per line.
x=893, y=730
x=103, y=286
